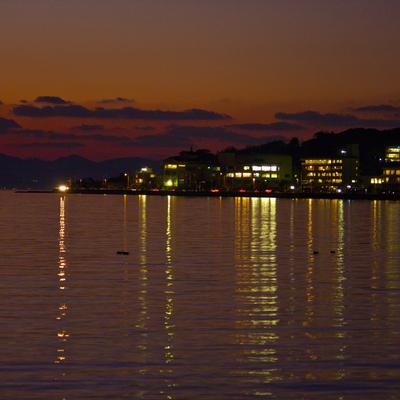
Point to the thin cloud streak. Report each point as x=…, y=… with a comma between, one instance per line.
x=51, y=100
x=273, y=126
x=52, y=145
x=78, y=111
x=316, y=119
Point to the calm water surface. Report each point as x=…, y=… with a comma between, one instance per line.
x=218, y=299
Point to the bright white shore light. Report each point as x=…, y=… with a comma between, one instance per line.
x=63, y=188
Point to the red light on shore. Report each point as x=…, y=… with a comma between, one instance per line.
x=242, y=191
x=268, y=190
x=214, y=190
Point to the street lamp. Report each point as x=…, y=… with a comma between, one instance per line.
x=127, y=180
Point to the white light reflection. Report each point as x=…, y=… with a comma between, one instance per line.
x=62, y=333
x=143, y=277
x=339, y=295
x=310, y=265
x=257, y=289
x=169, y=325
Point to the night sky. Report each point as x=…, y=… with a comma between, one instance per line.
x=107, y=79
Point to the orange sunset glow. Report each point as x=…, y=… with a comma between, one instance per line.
x=262, y=64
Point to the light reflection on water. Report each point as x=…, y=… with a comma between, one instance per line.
x=62, y=334
x=233, y=298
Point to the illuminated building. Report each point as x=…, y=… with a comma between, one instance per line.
x=192, y=170
x=391, y=168
x=329, y=174
x=145, y=178
x=256, y=171
x=376, y=180
x=392, y=154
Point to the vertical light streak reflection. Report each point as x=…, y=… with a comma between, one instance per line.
x=339, y=295
x=169, y=325
x=257, y=289
x=392, y=275
x=62, y=333
x=292, y=274
x=125, y=243
x=127, y=267
x=340, y=276
x=376, y=260
x=310, y=265
x=143, y=278
x=392, y=245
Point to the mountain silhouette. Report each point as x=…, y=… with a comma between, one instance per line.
x=40, y=174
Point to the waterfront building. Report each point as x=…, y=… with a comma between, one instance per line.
x=392, y=154
x=145, y=178
x=334, y=174
x=192, y=170
x=391, y=169
x=256, y=171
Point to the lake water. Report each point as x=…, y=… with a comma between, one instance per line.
x=218, y=298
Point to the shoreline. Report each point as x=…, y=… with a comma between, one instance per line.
x=279, y=195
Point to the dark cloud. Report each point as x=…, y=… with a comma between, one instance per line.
x=184, y=136
x=55, y=145
x=317, y=119
x=7, y=124
x=78, y=111
x=116, y=100
x=144, y=128
x=1, y=103
x=50, y=100
x=378, y=108
x=164, y=140
x=274, y=126
x=88, y=128
x=107, y=138
x=215, y=133
x=38, y=133
x=62, y=136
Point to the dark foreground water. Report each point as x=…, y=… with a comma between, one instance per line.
x=218, y=299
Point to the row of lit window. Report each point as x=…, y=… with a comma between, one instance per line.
x=261, y=168
x=391, y=172
x=250, y=175
x=393, y=149
x=325, y=168
x=328, y=174
x=326, y=181
x=392, y=180
x=393, y=155
x=174, y=166
x=323, y=161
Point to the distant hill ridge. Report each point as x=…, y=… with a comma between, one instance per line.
x=41, y=174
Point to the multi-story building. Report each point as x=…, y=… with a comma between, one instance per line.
x=145, y=178
x=192, y=170
x=391, y=169
x=257, y=172
x=392, y=154
x=329, y=174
